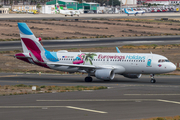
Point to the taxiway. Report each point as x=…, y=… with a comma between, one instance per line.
x=123, y=100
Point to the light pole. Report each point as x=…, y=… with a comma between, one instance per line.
x=120, y=2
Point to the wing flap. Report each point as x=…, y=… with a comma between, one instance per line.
x=71, y=65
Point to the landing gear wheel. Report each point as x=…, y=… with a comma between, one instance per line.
x=88, y=79
x=152, y=78
x=153, y=81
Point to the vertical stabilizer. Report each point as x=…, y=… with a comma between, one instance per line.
x=125, y=10
x=29, y=42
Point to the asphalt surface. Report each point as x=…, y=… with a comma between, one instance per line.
x=84, y=43
x=125, y=99
x=87, y=16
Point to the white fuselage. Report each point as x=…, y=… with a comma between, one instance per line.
x=140, y=12
x=69, y=12
x=132, y=62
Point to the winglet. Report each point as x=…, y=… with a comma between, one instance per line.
x=118, y=50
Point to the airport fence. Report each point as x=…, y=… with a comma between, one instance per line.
x=177, y=65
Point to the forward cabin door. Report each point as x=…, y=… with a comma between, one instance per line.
x=149, y=65
x=149, y=61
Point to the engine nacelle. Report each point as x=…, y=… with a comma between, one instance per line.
x=104, y=74
x=133, y=76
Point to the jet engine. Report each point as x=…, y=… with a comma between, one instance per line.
x=105, y=74
x=133, y=76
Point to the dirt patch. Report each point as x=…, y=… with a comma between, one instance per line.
x=59, y=29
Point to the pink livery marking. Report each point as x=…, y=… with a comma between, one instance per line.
x=78, y=60
x=110, y=57
x=31, y=45
x=22, y=55
x=159, y=65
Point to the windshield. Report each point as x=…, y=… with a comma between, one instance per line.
x=163, y=60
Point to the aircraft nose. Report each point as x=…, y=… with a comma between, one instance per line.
x=173, y=67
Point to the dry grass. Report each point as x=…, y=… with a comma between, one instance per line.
x=163, y=118
x=21, y=89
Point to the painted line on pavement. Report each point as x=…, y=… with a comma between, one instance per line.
x=46, y=107
x=110, y=100
x=94, y=100
x=31, y=106
x=169, y=101
x=9, y=76
x=151, y=94
x=77, y=108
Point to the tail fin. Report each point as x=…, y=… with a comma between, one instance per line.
x=132, y=9
x=29, y=42
x=125, y=10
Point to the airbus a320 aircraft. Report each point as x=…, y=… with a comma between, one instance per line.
x=103, y=66
x=130, y=12
x=69, y=12
x=139, y=11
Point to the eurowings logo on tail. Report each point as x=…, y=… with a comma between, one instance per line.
x=30, y=41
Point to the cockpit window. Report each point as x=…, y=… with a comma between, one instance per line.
x=163, y=60
x=167, y=61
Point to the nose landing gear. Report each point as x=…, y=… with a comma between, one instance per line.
x=152, y=78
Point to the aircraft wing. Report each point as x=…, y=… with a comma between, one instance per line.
x=71, y=65
x=81, y=66
x=118, y=69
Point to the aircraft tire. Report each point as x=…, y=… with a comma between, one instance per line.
x=153, y=81
x=88, y=79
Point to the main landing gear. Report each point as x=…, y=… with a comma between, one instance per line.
x=152, y=78
x=88, y=78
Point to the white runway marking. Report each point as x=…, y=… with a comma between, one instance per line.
x=151, y=94
x=108, y=100
x=169, y=101
x=46, y=107
x=94, y=100
x=86, y=109
x=31, y=106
